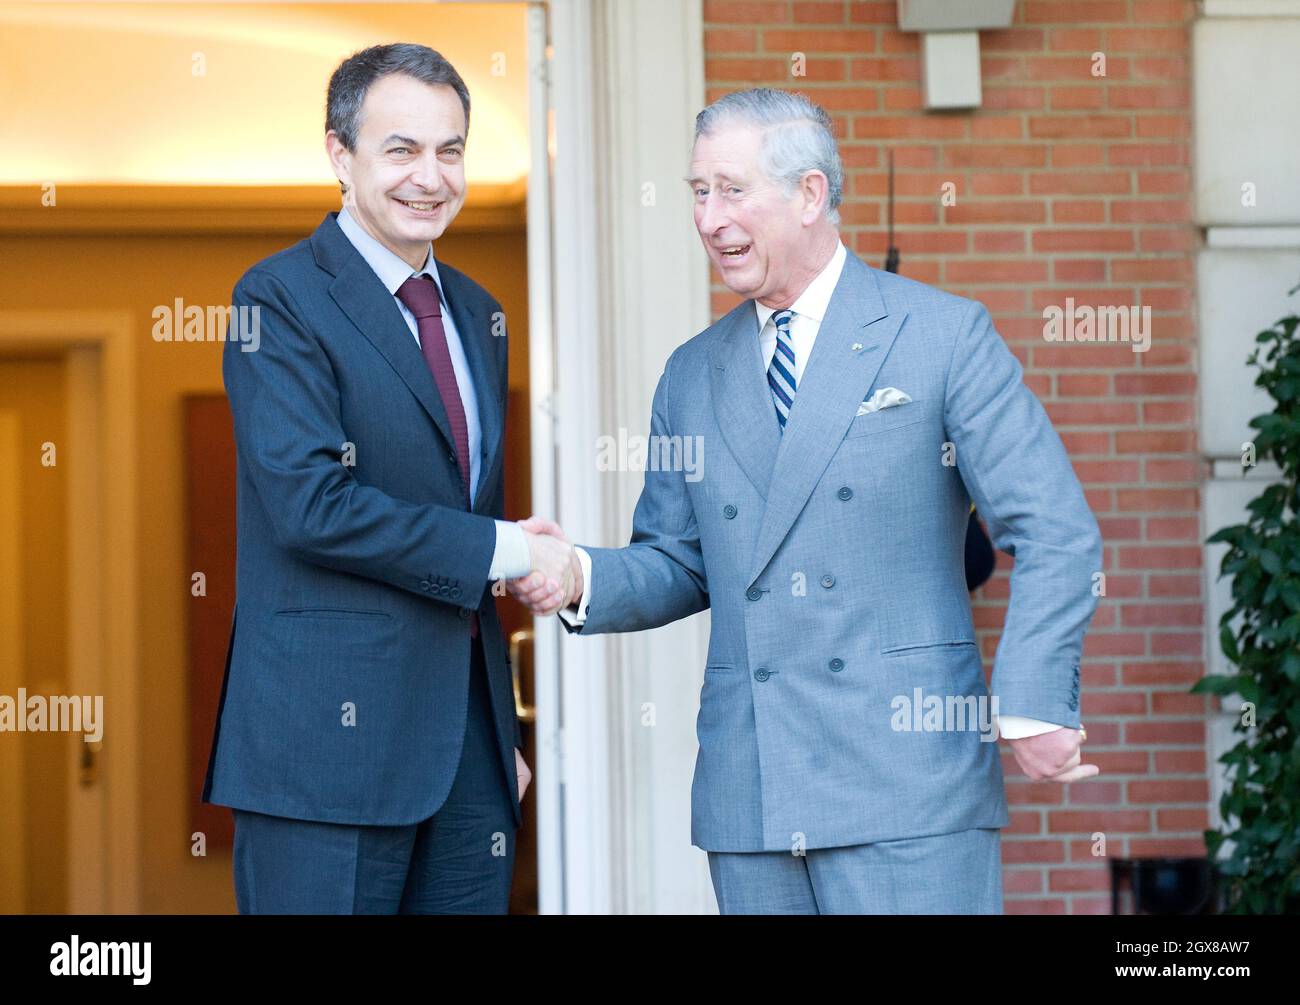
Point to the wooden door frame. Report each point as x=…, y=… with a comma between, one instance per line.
x=103, y=863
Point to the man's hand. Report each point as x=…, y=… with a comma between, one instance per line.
x=549, y=587
x=1053, y=756
x=522, y=774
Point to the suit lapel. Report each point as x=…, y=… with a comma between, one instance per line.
x=836, y=378
x=363, y=298
x=742, y=402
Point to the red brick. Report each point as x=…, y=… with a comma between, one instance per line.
x=1182, y=820
x=999, y=241
x=811, y=40
x=1091, y=821
x=1053, y=12
x=1165, y=733
x=743, y=11
x=1173, y=529
x=1168, y=847
x=1018, y=851
x=1162, y=615
x=819, y=13
x=1160, y=558
x=1078, y=211
x=1180, y=762
x=1175, y=586
x=1054, y=239
x=1066, y=880
x=1148, y=674
x=730, y=40
x=1163, y=500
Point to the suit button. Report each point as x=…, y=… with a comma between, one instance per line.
x=455, y=592
x=424, y=584
x=828, y=581
x=845, y=492
x=464, y=613
x=754, y=593
x=729, y=511
x=762, y=674
x=837, y=664
x=452, y=457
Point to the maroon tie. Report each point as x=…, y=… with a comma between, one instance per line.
x=420, y=295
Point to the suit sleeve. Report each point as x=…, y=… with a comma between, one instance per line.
x=1017, y=471
x=659, y=577
x=289, y=435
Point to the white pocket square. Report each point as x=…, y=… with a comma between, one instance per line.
x=886, y=397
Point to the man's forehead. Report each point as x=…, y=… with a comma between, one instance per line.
x=735, y=146
x=389, y=113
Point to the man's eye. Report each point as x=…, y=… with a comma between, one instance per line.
x=399, y=150
x=453, y=153
x=732, y=190
x=700, y=193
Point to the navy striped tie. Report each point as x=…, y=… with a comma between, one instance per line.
x=780, y=375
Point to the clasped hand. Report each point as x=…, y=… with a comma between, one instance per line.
x=555, y=581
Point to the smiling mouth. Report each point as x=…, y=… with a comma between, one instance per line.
x=420, y=207
x=734, y=253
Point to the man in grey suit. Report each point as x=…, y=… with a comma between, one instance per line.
x=850, y=417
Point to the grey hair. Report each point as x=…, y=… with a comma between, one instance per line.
x=797, y=137
x=352, y=79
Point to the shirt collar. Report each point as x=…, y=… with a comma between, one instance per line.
x=389, y=267
x=813, y=301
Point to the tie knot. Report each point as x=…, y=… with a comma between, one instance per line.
x=782, y=320
x=420, y=294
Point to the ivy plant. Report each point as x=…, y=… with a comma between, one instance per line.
x=1260, y=636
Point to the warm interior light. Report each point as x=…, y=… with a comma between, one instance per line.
x=230, y=94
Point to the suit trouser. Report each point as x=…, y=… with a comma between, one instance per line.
x=957, y=873
x=458, y=861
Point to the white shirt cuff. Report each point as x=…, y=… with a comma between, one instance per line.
x=1015, y=727
x=576, y=618
x=510, y=558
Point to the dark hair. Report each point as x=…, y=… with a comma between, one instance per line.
x=350, y=82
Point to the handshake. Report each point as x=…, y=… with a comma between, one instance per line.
x=555, y=581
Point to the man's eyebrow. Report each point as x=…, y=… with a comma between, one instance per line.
x=406, y=141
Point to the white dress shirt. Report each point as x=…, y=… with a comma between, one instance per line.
x=510, y=557
x=809, y=310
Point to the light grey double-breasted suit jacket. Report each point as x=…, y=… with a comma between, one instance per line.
x=831, y=556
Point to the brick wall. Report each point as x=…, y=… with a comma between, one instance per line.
x=1067, y=185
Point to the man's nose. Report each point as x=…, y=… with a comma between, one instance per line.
x=713, y=216
x=428, y=173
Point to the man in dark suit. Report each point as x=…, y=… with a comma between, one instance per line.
x=366, y=735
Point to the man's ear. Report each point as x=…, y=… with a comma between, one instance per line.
x=341, y=160
x=814, y=188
